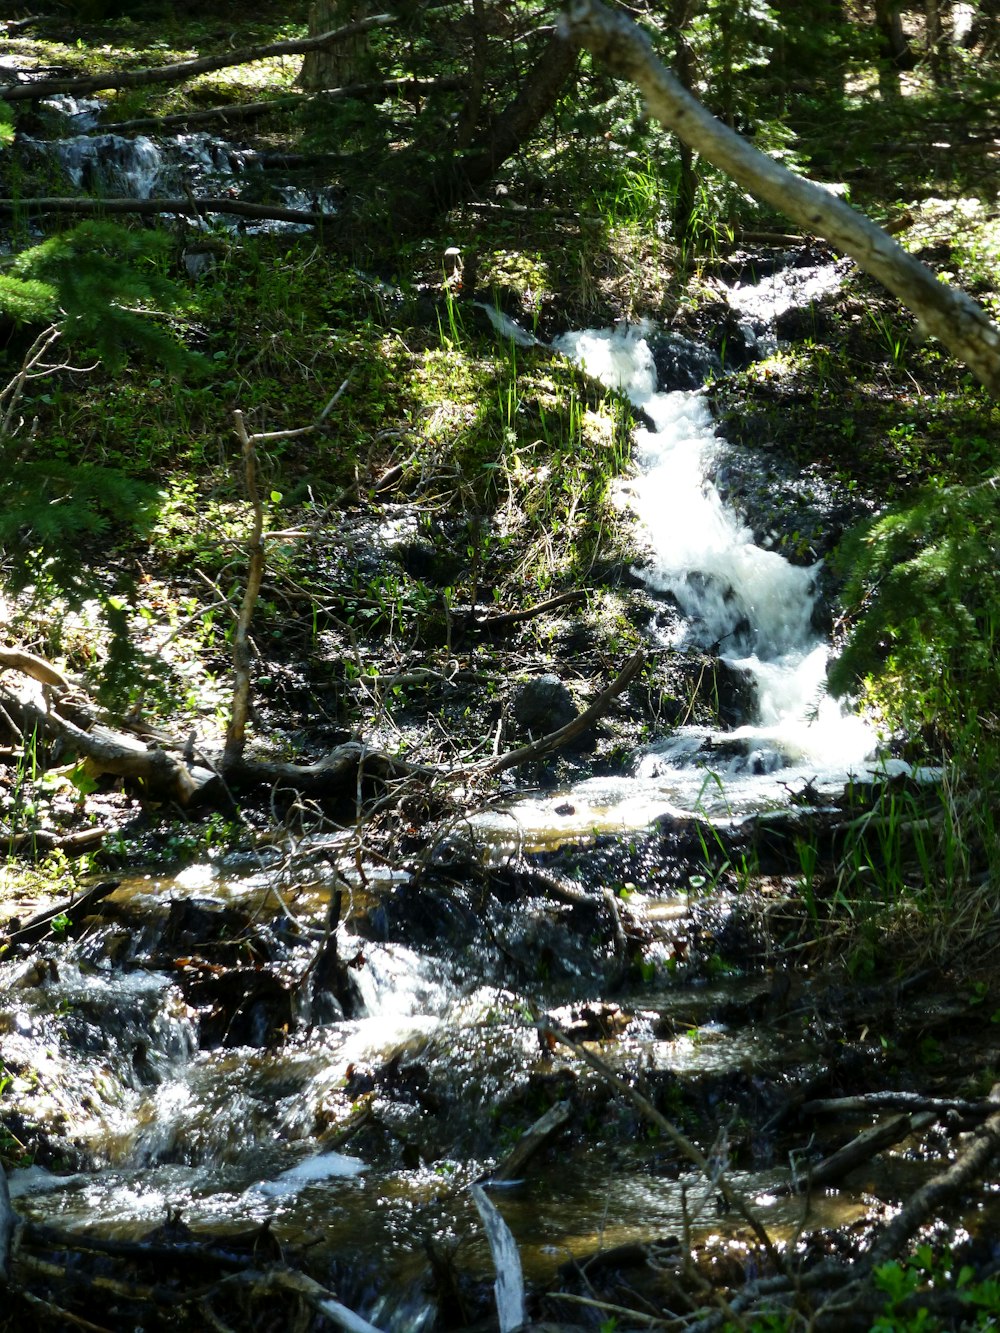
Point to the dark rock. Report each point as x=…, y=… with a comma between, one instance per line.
x=736, y=691
x=681, y=363
x=543, y=704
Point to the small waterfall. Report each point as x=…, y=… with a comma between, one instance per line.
x=109, y=163
x=750, y=605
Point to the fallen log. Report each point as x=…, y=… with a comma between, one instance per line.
x=181, y=71
x=504, y=619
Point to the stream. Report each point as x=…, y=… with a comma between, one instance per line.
x=195, y=1049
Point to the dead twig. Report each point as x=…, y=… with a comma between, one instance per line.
x=555, y=740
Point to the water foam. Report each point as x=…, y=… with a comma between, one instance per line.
x=750, y=605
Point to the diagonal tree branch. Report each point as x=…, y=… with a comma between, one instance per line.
x=950, y=315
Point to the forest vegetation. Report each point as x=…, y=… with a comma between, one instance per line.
x=291, y=513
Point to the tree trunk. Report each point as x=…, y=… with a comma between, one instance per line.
x=937, y=35
x=895, y=47
x=424, y=192
x=348, y=61
x=949, y=315
x=679, y=15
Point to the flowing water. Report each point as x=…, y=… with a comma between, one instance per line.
x=147, y=1104
x=143, y=167
x=185, y=1053
x=747, y=604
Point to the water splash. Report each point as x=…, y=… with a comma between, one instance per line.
x=749, y=605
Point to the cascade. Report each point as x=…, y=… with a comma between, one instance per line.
x=747, y=604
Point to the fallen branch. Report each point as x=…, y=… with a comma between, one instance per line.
x=183, y=70
x=910, y=1101
x=73, y=912
x=929, y=1200
x=48, y=840
x=963, y=326
x=11, y=26
x=861, y=1149
x=503, y=619
x=555, y=740
x=187, y=207
x=533, y=1138
x=321, y=1300
x=35, y=667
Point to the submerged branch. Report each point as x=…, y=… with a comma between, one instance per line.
x=713, y=1173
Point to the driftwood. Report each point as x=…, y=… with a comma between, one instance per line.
x=183, y=70
x=509, y=1285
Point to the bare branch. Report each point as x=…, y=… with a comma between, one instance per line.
x=555, y=740
x=187, y=69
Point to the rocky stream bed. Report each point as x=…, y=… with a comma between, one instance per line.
x=624, y=982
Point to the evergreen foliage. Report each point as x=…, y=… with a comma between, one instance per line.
x=925, y=581
x=103, y=275
x=26, y=300
x=50, y=501
x=94, y=287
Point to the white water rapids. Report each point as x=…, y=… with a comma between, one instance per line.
x=751, y=605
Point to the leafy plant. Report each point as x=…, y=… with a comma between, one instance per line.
x=923, y=585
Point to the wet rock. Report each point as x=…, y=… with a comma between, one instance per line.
x=681, y=363
x=788, y=508
x=543, y=704
x=802, y=322
x=736, y=691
